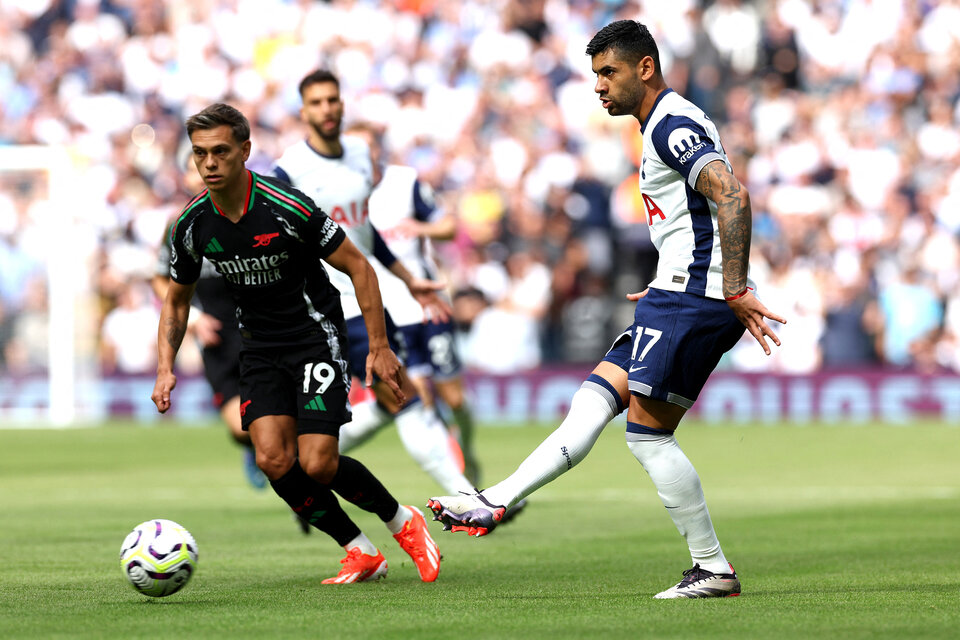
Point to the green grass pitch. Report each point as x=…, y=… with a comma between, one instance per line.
x=836, y=532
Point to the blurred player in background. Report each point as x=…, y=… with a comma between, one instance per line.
x=405, y=213
x=267, y=239
x=692, y=313
x=214, y=325
x=337, y=173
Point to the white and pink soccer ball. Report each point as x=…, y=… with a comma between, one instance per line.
x=158, y=557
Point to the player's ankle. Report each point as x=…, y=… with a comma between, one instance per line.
x=403, y=516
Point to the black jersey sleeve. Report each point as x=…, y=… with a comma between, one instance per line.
x=325, y=233
x=185, y=260
x=162, y=267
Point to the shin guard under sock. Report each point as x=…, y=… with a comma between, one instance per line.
x=590, y=411
x=355, y=483
x=678, y=486
x=427, y=440
x=316, y=504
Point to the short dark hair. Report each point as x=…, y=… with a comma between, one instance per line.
x=317, y=77
x=217, y=115
x=630, y=38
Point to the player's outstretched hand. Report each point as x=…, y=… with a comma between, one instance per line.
x=410, y=228
x=425, y=292
x=383, y=362
x=751, y=312
x=161, y=390
x=207, y=330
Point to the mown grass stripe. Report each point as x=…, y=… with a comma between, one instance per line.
x=849, y=534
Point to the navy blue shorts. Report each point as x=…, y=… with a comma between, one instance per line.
x=358, y=344
x=431, y=350
x=674, y=344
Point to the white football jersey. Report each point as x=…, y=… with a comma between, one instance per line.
x=678, y=141
x=340, y=187
x=400, y=196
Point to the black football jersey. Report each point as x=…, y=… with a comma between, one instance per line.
x=269, y=260
x=211, y=294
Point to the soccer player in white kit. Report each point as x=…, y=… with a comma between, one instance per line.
x=405, y=212
x=695, y=310
x=337, y=173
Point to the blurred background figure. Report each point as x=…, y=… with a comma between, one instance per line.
x=128, y=345
x=842, y=119
x=27, y=343
x=911, y=315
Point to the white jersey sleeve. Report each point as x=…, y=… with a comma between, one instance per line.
x=678, y=141
x=398, y=197
x=340, y=186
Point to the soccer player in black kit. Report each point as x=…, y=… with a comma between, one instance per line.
x=267, y=239
x=214, y=325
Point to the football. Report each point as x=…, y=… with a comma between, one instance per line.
x=158, y=557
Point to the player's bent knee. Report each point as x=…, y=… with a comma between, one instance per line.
x=385, y=397
x=451, y=391
x=275, y=464
x=657, y=414
x=454, y=399
x=321, y=468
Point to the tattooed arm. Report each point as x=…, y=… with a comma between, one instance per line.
x=173, y=326
x=719, y=184
x=734, y=220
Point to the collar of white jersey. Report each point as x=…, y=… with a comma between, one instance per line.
x=654, y=107
x=343, y=150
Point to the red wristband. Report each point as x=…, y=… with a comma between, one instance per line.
x=739, y=295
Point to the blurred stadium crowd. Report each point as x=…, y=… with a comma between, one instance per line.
x=841, y=117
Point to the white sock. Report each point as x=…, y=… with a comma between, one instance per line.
x=425, y=438
x=678, y=486
x=368, y=418
x=402, y=517
x=570, y=443
x=364, y=543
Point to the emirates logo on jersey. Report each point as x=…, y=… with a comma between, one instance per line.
x=251, y=272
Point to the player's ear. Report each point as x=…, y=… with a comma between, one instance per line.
x=245, y=147
x=646, y=68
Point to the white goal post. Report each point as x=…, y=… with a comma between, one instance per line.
x=52, y=166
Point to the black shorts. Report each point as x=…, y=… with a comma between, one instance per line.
x=305, y=381
x=221, y=366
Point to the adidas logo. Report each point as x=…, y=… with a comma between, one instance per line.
x=316, y=404
x=213, y=246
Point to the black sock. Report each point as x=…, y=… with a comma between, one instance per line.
x=316, y=504
x=355, y=483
